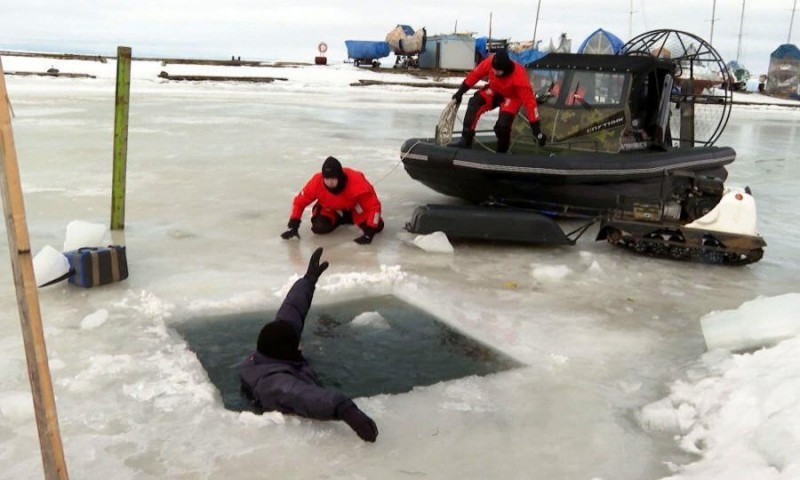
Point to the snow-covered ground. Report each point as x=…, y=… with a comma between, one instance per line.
x=617, y=382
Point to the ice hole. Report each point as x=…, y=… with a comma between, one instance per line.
x=362, y=347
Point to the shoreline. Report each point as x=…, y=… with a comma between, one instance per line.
x=222, y=63
x=163, y=60
x=419, y=73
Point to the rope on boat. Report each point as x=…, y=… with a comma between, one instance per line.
x=447, y=119
x=444, y=128
x=402, y=157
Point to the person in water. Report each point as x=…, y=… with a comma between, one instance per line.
x=276, y=377
x=509, y=89
x=343, y=196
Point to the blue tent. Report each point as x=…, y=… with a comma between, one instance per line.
x=526, y=56
x=480, y=46
x=601, y=42
x=523, y=57
x=786, y=51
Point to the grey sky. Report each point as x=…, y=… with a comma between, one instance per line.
x=261, y=30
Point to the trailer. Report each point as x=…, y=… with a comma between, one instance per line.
x=365, y=52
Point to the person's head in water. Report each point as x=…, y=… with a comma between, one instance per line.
x=502, y=64
x=278, y=339
x=333, y=175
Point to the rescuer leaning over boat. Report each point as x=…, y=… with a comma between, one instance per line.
x=509, y=89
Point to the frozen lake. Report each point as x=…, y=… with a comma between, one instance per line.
x=212, y=169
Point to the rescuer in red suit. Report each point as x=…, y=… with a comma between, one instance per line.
x=509, y=89
x=343, y=196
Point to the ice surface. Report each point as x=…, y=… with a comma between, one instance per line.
x=84, y=234
x=212, y=168
x=370, y=320
x=94, y=320
x=756, y=324
x=740, y=413
x=49, y=264
x=435, y=242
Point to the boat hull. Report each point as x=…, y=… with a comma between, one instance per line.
x=555, y=181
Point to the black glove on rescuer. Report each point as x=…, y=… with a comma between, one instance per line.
x=294, y=224
x=460, y=93
x=366, y=239
x=364, y=426
x=315, y=268
x=537, y=133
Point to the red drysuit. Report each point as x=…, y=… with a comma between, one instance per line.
x=515, y=89
x=358, y=197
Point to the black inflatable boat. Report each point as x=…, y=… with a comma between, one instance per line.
x=556, y=181
x=610, y=122
x=630, y=147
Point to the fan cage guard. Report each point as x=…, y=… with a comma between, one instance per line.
x=696, y=61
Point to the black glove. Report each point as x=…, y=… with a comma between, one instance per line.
x=364, y=427
x=294, y=224
x=366, y=239
x=537, y=133
x=315, y=268
x=460, y=93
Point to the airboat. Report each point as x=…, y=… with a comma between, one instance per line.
x=632, y=146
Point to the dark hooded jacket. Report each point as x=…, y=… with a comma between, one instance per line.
x=289, y=384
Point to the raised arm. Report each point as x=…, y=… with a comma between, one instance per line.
x=295, y=306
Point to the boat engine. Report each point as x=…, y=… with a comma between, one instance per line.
x=686, y=197
x=699, y=195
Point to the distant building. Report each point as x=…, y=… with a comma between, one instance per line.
x=449, y=52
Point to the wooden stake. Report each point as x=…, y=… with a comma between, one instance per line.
x=44, y=404
x=120, y=168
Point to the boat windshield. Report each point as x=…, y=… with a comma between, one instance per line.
x=547, y=85
x=584, y=109
x=584, y=88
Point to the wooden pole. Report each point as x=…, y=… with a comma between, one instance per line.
x=44, y=404
x=490, y=26
x=121, y=138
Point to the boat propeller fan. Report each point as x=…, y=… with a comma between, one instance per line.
x=700, y=93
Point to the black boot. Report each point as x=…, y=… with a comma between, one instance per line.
x=465, y=141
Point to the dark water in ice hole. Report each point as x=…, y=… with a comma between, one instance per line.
x=412, y=348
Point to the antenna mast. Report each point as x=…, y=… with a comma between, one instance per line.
x=536, y=25
x=630, y=22
x=713, y=19
x=741, y=26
